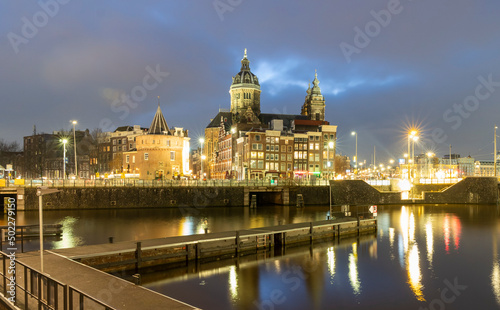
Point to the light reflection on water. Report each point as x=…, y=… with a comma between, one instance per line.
x=434, y=244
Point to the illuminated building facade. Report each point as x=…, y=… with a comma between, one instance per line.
x=243, y=143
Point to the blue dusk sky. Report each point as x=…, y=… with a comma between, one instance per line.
x=383, y=65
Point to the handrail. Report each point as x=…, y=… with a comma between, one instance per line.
x=40, y=290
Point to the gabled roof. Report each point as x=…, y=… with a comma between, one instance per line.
x=159, y=124
x=216, y=120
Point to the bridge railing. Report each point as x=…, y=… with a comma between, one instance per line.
x=168, y=183
x=27, y=288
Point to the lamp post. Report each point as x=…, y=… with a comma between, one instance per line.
x=201, y=157
x=74, y=143
x=429, y=156
x=356, y=154
x=64, y=141
x=495, y=153
x=329, y=146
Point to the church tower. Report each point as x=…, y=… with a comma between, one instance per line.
x=314, y=104
x=245, y=94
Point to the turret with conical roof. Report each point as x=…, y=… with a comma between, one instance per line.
x=159, y=124
x=244, y=91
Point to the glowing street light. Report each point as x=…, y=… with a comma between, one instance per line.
x=64, y=141
x=74, y=142
x=356, y=154
x=202, y=156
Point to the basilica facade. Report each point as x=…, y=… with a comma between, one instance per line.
x=244, y=143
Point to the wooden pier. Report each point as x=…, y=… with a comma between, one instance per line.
x=132, y=255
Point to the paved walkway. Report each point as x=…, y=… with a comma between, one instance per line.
x=115, y=292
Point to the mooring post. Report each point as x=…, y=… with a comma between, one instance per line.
x=311, y=232
x=237, y=242
x=138, y=256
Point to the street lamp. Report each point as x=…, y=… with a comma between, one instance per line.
x=495, y=153
x=330, y=146
x=202, y=157
x=64, y=141
x=429, y=156
x=74, y=142
x=356, y=154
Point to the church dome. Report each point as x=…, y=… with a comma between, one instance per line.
x=245, y=76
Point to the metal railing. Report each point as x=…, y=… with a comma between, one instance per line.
x=168, y=183
x=30, y=289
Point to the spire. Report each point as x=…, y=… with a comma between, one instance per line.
x=245, y=63
x=316, y=90
x=159, y=124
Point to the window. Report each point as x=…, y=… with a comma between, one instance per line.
x=316, y=157
x=317, y=168
x=316, y=146
x=272, y=156
x=254, y=146
x=268, y=140
x=283, y=166
x=317, y=138
x=261, y=155
x=114, y=148
x=260, y=164
x=172, y=155
x=124, y=148
x=267, y=156
x=283, y=148
x=133, y=159
x=127, y=159
x=268, y=147
x=168, y=142
x=153, y=141
x=254, y=155
x=311, y=157
x=267, y=166
x=125, y=141
x=311, y=146
x=289, y=148
x=257, y=137
x=114, y=142
x=119, y=141
x=146, y=156
x=283, y=157
x=296, y=155
x=130, y=146
x=311, y=167
x=289, y=166
x=253, y=164
x=311, y=138
x=289, y=157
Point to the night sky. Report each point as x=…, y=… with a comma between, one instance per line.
x=384, y=66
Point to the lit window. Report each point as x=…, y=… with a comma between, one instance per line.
x=146, y=156
x=172, y=155
x=127, y=159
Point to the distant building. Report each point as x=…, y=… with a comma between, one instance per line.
x=243, y=143
x=43, y=155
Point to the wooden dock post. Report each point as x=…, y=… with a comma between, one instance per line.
x=138, y=256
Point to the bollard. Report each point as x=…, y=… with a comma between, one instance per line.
x=110, y=239
x=137, y=278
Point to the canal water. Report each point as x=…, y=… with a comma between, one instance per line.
x=422, y=257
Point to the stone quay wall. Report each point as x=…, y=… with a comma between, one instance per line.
x=351, y=192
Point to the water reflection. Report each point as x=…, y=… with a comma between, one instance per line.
x=233, y=283
x=69, y=238
x=331, y=263
x=429, y=238
x=410, y=252
x=353, y=270
x=495, y=272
